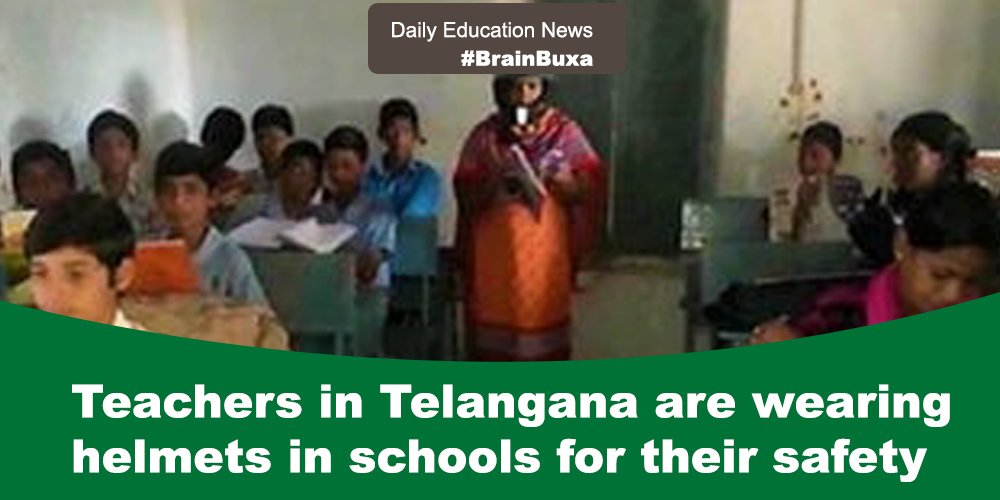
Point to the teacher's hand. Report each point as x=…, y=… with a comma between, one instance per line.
x=565, y=186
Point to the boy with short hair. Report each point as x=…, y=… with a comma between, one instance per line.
x=183, y=181
x=294, y=197
x=298, y=182
x=273, y=128
x=113, y=140
x=42, y=174
x=410, y=186
x=80, y=251
x=346, y=151
x=821, y=202
x=222, y=135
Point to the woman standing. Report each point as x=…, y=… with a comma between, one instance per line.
x=530, y=190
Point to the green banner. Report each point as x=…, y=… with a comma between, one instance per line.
x=906, y=409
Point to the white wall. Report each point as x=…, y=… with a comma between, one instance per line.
x=61, y=62
x=874, y=63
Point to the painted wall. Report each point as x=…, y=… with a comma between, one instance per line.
x=60, y=64
x=873, y=63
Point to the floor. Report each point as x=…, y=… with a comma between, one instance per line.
x=629, y=308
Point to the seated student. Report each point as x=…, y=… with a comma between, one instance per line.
x=410, y=186
x=946, y=253
x=297, y=188
x=80, y=252
x=222, y=134
x=183, y=181
x=42, y=175
x=821, y=202
x=346, y=151
x=928, y=149
x=113, y=140
x=273, y=128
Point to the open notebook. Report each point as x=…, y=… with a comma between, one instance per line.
x=307, y=235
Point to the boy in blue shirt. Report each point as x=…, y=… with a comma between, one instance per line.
x=410, y=186
x=346, y=151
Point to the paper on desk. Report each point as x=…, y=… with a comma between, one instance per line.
x=261, y=233
x=318, y=238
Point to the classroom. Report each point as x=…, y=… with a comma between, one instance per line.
x=232, y=171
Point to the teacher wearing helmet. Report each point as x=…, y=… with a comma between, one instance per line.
x=531, y=193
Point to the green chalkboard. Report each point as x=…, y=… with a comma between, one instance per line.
x=655, y=123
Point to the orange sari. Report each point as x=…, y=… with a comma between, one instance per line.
x=518, y=262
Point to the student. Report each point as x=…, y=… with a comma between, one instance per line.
x=410, y=186
x=346, y=151
x=222, y=134
x=184, y=182
x=297, y=188
x=945, y=254
x=299, y=182
x=113, y=140
x=821, y=202
x=42, y=175
x=273, y=128
x=80, y=251
x=928, y=150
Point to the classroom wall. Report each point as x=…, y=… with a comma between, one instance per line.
x=60, y=64
x=873, y=62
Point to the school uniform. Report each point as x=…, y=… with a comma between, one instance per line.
x=413, y=191
x=224, y=269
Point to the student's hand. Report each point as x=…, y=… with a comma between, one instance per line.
x=808, y=192
x=367, y=266
x=774, y=331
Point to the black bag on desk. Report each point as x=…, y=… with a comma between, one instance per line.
x=742, y=307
